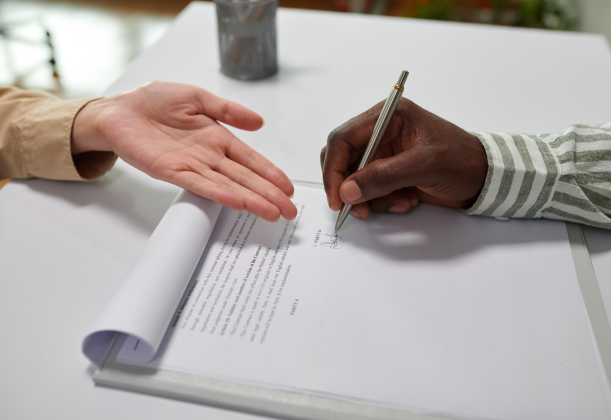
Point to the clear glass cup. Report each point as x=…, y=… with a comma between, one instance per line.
x=247, y=38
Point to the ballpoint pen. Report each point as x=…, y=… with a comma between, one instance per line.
x=376, y=137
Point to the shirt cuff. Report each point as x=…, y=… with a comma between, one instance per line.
x=522, y=177
x=45, y=144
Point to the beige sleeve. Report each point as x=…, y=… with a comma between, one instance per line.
x=35, y=132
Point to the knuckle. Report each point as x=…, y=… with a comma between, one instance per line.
x=334, y=135
x=246, y=177
x=406, y=110
x=381, y=177
x=272, y=172
x=226, y=109
x=279, y=199
x=406, y=104
x=327, y=178
x=345, y=130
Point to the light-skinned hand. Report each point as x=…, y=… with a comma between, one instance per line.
x=171, y=132
x=422, y=157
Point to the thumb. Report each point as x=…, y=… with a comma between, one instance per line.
x=235, y=115
x=383, y=176
x=228, y=112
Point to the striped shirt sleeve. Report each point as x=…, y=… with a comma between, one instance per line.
x=563, y=176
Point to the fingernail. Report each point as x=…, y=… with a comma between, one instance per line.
x=397, y=208
x=292, y=195
x=413, y=201
x=355, y=214
x=351, y=191
x=263, y=122
x=328, y=200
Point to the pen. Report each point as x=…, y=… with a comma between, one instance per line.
x=376, y=137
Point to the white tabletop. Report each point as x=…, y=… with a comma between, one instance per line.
x=64, y=247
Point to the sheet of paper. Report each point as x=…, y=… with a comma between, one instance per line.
x=599, y=245
x=150, y=292
x=432, y=310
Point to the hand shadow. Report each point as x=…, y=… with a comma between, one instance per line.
x=434, y=233
x=124, y=193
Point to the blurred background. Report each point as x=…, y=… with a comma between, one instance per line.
x=78, y=48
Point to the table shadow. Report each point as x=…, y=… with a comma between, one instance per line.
x=132, y=197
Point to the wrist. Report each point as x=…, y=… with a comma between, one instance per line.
x=87, y=135
x=490, y=163
x=480, y=167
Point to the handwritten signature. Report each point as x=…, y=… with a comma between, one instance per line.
x=333, y=241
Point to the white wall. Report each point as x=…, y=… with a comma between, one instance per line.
x=596, y=17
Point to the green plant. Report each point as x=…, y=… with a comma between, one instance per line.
x=546, y=14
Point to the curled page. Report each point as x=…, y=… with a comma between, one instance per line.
x=147, y=298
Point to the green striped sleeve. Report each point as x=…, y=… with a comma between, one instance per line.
x=564, y=176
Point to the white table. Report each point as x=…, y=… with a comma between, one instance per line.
x=64, y=247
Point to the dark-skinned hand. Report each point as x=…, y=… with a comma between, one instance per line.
x=422, y=157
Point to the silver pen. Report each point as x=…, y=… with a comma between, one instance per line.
x=376, y=137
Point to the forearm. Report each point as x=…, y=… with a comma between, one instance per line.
x=35, y=138
x=563, y=176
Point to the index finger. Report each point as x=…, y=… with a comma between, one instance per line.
x=344, y=147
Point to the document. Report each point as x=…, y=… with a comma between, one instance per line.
x=429, y=311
